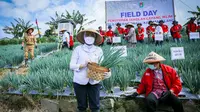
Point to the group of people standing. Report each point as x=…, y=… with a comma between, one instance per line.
x=133, y=35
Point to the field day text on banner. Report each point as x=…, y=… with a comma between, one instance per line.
x=135, y=11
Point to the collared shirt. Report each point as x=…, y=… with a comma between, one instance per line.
x=165, y=28
x=65, y=37
x=81, y=55
x=158, y=84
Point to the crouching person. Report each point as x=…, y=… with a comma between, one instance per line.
x=160, y=84
x=85, y=88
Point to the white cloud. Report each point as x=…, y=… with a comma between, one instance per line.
x=20, y=2
x=95, y=10
x=33, y=5
x=9, y=10
x=50, y=11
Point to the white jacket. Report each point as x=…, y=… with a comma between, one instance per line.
x=81, y=55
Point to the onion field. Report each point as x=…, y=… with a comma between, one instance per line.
x=52, y=75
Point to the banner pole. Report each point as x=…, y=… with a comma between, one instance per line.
x=105, y=16
x=174, y=9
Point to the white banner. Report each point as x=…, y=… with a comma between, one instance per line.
x=177, y=53
x=194, y=35
x=116, y=39
x=136, y=11
x=159, y=37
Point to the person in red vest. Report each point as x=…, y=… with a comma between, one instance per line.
x=119, y=30
x=140, y=33
x=102, y=33
x=109, y=35
x=165, y=30
x=71, y=42
x=126, y=30
x=175, y=31
x=150, y=30
x=160, y=84
x=191, y=27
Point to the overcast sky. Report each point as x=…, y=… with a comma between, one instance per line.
x=94, y=9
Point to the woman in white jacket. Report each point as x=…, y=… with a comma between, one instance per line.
x=84, y=87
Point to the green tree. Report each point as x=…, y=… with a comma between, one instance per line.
x=17, y=29
x=13, y=30
x=54, y=21
x=196, y=14
x=76, y=18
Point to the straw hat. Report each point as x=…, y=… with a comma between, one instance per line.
x=29, y=29
x=98, y=38
x=154, y=23
x=129, y=24
x=153, y=58
x=62, y=30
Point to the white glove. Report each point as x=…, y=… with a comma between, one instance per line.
x=107, y=75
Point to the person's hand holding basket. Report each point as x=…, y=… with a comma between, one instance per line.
x=102, y=70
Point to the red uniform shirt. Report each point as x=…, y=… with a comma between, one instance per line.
x=102, y=34
x=191, y=27
x=126, y=31
x=71, y=41
x=170, y=78
x=165, y=28
x=110, y=33
x=150, y=30
x=175, y=31
x=120, y=30
x=140, y=34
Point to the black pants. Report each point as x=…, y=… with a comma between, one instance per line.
x=64, y=45
x=85, y=93
x=159, y=43
x=141, y=41
x=152, y=103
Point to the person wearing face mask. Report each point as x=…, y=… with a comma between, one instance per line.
x=87, y=89
x=160, y=84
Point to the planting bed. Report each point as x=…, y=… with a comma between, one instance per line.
x=51, y=76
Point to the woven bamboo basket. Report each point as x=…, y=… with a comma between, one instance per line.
x=96, y=72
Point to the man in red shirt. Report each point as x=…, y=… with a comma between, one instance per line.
x=102, y=34
x=160, y=84
x=140, y=33
x=119, y=30
x=109, y=35
x=165, y=30
x=175, y=31
x=150, y=30
x=191, y=27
